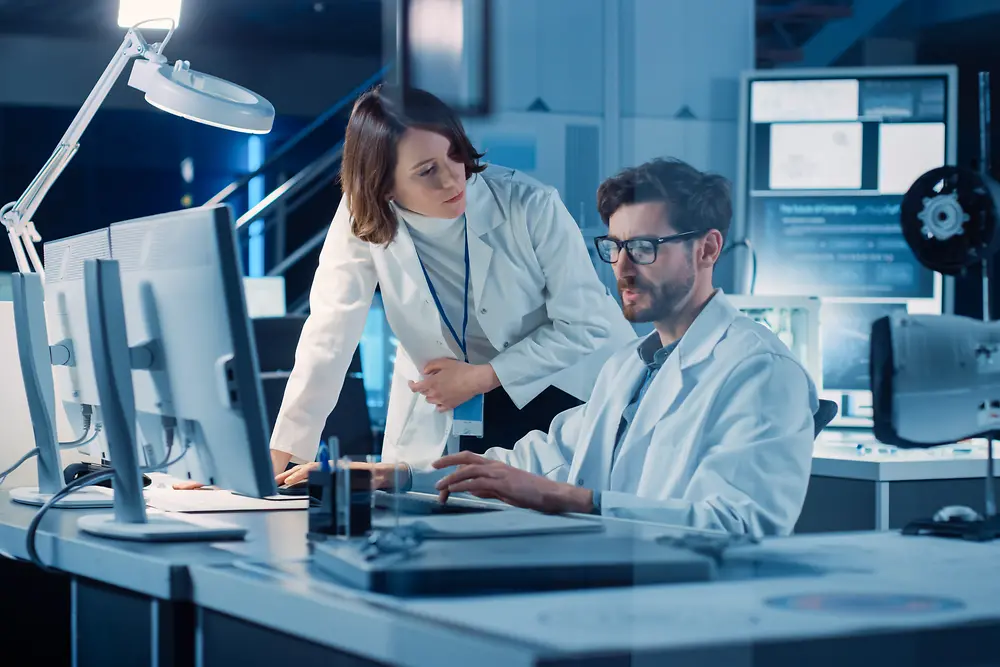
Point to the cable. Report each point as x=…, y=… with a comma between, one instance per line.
x=81, y=442
x=753, y=260
x=88, y=415
x=75, y=485
x=8, y=471
x=171, y=434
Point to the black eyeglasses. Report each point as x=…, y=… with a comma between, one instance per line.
x=641, y=250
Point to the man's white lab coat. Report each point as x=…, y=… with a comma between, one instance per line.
x=722, y=439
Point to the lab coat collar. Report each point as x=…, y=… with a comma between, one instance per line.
x=695, y=346
x=483, y=209
x=483, y=213
x=706, y=330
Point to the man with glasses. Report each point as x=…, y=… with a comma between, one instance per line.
x=707, y=422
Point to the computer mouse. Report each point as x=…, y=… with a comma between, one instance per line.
x=956, y=513
x=77, y=470
x=300, y=488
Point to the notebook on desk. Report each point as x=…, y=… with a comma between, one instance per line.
x=217, y=500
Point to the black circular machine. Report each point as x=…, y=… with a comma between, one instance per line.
x=949, y=218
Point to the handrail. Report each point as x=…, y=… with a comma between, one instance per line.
x=293, y=184
x=299, y=136
x=300, y=252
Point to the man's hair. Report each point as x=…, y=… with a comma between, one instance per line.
x=694, y=201
x=380, y=118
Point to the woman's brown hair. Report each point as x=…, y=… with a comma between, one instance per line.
x=378, y=121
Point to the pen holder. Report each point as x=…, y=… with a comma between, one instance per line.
x=340, y=502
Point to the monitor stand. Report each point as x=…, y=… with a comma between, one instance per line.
x=33, y=354
x=82, y=499
x=113, y=372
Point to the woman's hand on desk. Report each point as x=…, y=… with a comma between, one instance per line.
x=486, y=478
x=383, y=474
x=448, y=383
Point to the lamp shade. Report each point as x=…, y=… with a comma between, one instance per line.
x=201, y=97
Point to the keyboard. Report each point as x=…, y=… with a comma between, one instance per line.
x=427, y=504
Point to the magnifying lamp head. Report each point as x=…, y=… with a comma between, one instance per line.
x=201, y=97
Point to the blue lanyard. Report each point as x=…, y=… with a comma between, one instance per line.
x=465, y=302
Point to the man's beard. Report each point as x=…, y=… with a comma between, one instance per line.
x=663, y=299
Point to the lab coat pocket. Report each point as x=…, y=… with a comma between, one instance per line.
x=401, y=403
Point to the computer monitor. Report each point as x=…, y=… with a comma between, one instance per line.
x=66, y=315
x=195, y=388
x=34, y=357
x=182, y=290
x=54, y=355
x=826, y=157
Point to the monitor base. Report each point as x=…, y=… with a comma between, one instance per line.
x=160, y=528
x=83, y=498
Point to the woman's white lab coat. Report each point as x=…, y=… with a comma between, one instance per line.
x=536, y=295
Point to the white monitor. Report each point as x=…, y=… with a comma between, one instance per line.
x=169, y=313
x=185, y=309
x=826, y=156
x=66, y=317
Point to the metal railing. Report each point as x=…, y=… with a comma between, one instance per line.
x=297, y=190
x=297, y=138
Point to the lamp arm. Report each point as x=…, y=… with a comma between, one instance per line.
x=17, y=219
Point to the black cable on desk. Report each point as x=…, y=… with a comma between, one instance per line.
x=75, y=485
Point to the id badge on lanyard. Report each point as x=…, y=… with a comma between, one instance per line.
x=467, y=417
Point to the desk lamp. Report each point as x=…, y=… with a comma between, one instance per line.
x=176, y=89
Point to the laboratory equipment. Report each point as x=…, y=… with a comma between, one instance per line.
x=509, y=550
x=827, y=156
x=936, y=379
x=795, y=320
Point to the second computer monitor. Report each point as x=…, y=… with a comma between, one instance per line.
x=194, y=359
x=66, y=318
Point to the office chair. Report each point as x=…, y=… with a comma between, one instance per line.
x=277, y=338
x=824, y=415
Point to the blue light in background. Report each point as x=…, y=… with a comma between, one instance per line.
x=255, y=193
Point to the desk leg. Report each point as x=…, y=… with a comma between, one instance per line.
x=113, y=626
x=34, y=614
x=881, y=505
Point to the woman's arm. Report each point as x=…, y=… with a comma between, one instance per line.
x=339, y=302
x=577, y=302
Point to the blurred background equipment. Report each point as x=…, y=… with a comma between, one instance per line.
x=443, y=46
x=826, y=158
x=936, y=379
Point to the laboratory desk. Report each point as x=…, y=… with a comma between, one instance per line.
x=860, y=599
x=875, y=487
x=110, y=602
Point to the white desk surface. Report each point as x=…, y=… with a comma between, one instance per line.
x=857, y=455
x=958, y=579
